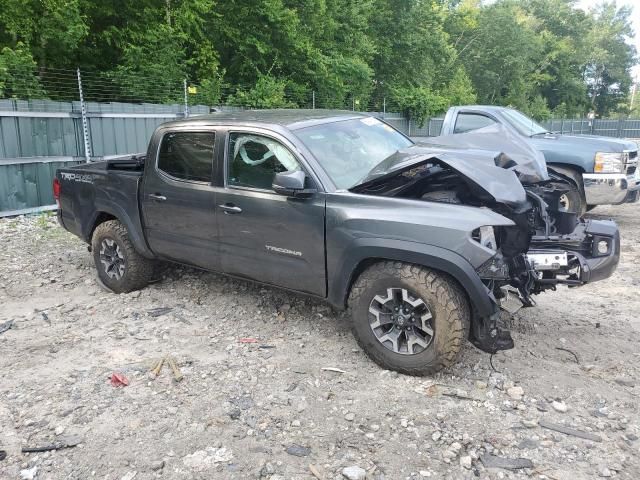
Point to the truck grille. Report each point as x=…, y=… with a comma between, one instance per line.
x=631, y=162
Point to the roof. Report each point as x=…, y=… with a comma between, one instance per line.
x=290, y=118
x=484, y=107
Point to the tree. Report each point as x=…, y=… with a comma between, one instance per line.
x=608, y=66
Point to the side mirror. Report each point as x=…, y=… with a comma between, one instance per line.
x=291, y=183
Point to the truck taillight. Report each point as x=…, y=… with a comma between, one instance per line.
x=56, y=190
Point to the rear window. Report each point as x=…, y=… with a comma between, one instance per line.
x=187, y=155
x=467, y=122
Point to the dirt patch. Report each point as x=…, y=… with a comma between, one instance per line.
x=268, y=409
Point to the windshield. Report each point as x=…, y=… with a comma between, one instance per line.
x=525, y=125
x=349, y=149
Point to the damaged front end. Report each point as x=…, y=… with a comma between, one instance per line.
x=546, y=246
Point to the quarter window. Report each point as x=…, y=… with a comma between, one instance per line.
x=187, y=155
x=254, y=160
x=471, y=121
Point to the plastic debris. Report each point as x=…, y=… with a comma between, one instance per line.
x=119, y=380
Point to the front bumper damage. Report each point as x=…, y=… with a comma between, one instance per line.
x=588, y=254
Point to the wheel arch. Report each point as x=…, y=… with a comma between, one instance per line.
x=429, y=256
x=105, y=213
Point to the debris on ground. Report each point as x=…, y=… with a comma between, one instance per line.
x=6, y=326
x=493, y=461
x=298, y=451
x=569, y=431
x=68, y=441
x=119, y=380
x=333, y=369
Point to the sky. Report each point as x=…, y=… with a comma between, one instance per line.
x=635, y=20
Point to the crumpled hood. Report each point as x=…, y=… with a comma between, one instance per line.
x=478, y=167
x=530, y=162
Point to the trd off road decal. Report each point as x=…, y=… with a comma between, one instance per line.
x=77, y=177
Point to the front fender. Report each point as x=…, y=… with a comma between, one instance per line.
x=429, y=256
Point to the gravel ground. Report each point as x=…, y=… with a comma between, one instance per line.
x=271, y=409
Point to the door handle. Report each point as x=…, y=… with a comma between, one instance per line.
x=230, y=208
x=157, y=197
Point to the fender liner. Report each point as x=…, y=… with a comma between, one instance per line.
x=134, y=227
x=429, y=256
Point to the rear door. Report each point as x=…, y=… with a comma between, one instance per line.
x=178, y=199
x=263, y=235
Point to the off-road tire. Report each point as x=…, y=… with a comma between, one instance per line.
x=138, y=269
x=442, y=295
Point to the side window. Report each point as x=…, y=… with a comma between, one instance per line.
x=254, y=160
x=471, y=121
x=187, y=155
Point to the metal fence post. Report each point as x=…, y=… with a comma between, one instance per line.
x=313, y=99
x=429, y=128
x=384, y=106
x=409, y=134
x=186, y=99
x=85, y=123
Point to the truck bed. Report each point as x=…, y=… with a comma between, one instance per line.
x=102, y=188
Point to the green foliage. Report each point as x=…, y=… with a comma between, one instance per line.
x=541, y=56
x=17, y=74
x=419, y=103
x=268, y=92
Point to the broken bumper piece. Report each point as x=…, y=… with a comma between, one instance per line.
x=591, y=254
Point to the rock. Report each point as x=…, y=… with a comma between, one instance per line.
x=302, y=406
x=30, y=473
x=465, y=462
x=129, y=475
x=515, y=392
x=298, y=451
x=436, y=436
x=374, y=427
x=530, y=423
x=560, y=406
x=349, y=417
x=157, y=465
x=59, y=430
x=354, y=473
x=603, y=471
x=425, y=473
x=205, y=459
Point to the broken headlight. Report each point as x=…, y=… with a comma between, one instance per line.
x=486, y=237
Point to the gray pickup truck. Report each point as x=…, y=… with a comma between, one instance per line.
x=422, y=244
x=603, y=169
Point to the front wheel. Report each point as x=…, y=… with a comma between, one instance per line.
x=573, y=201
x=409, y=318
x=120, y=267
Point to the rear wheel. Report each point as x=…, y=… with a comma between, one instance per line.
x=120, y=267
x=409, y=318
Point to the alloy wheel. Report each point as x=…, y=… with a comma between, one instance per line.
x=401, y=321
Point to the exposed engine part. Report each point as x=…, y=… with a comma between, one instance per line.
x=444, y=196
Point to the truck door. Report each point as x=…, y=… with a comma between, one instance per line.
x=178, y=200
x=263, y=235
